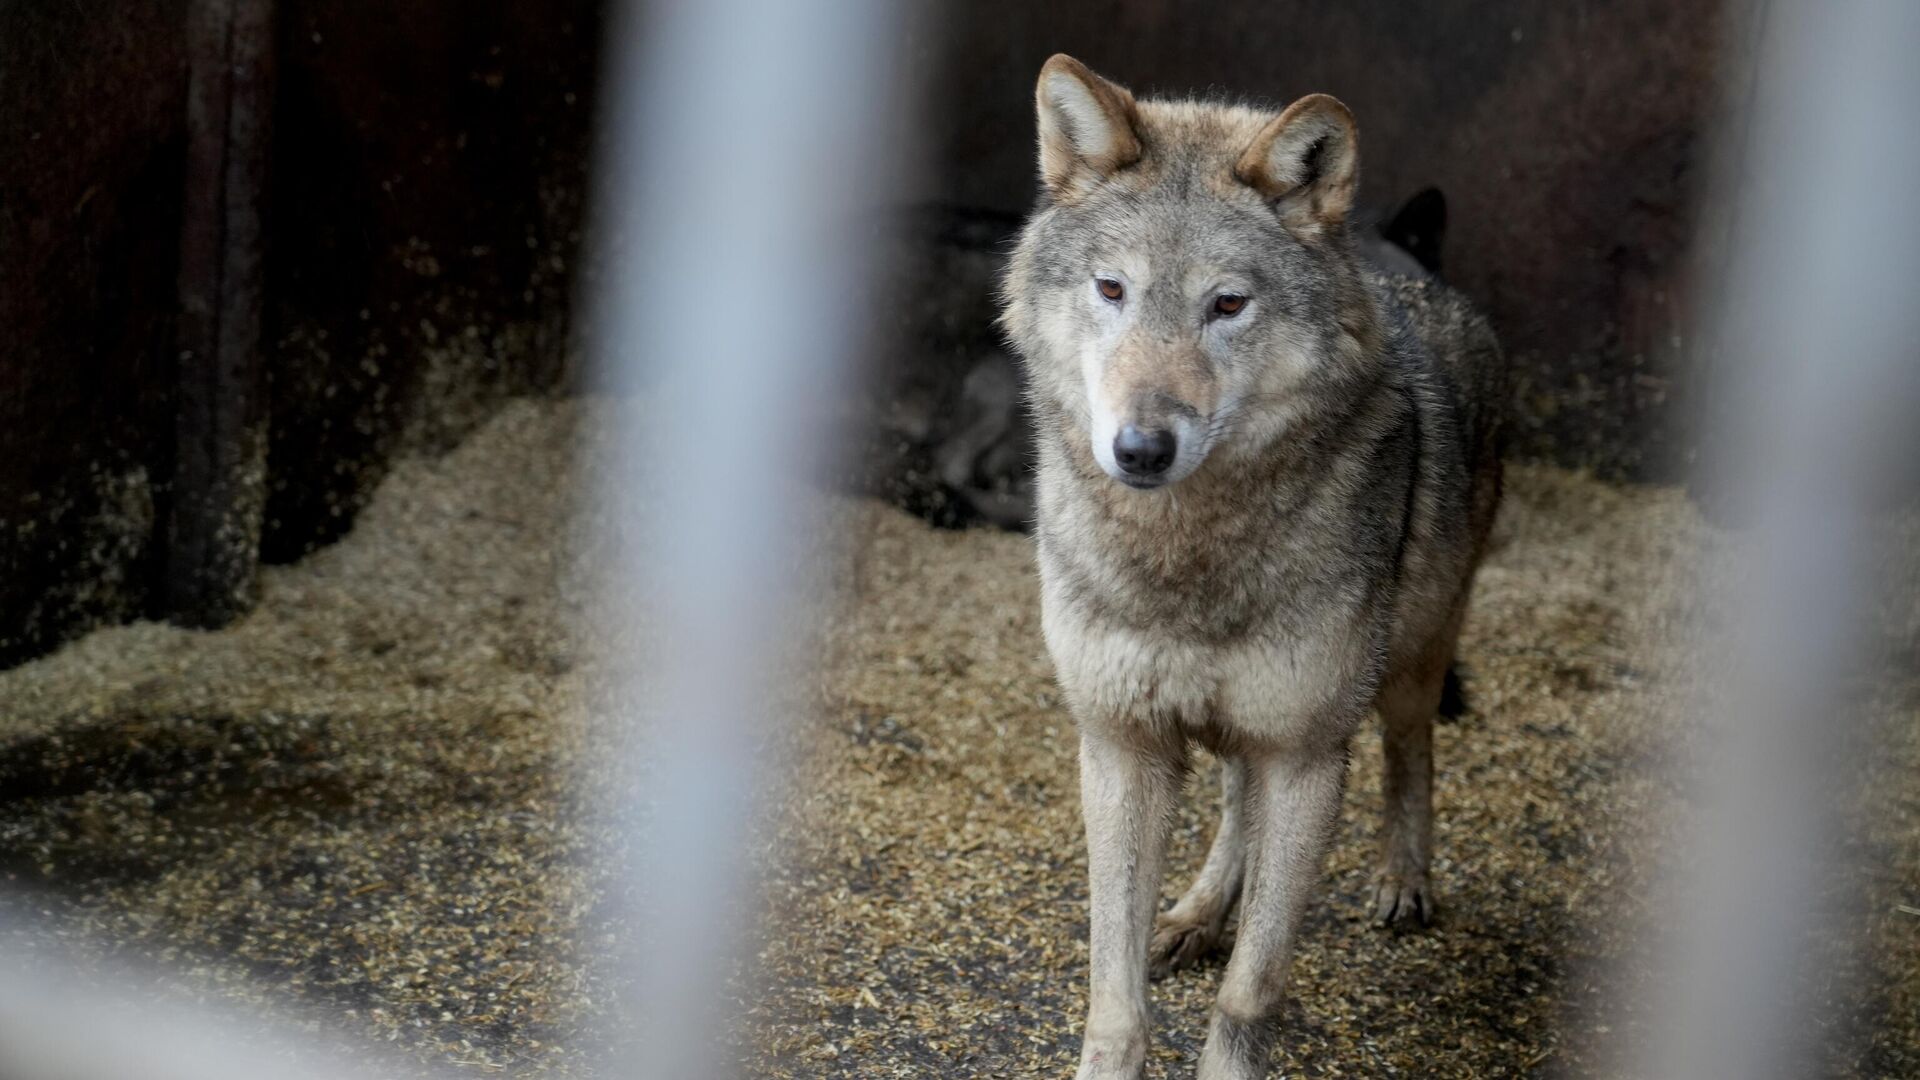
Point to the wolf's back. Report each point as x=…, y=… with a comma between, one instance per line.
x=1464, y=349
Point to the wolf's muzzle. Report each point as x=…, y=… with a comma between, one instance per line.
x=1144, y=455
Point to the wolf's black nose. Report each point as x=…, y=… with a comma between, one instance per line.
x=1143, y=453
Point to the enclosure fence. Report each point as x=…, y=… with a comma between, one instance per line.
x=745, y=139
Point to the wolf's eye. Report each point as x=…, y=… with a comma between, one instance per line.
x=1228, y=305
x=1109, y=288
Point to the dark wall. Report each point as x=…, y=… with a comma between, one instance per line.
x=92, y=113
x=422, y=215
x=430, y=170
x=428, y=179
x=1567, y=137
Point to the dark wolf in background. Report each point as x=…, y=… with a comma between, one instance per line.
x=1266, y=477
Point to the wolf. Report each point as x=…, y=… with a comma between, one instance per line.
x=1266, y=476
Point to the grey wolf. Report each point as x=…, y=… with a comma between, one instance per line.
x=1266, y=476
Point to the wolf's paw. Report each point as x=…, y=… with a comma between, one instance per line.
x=1098, y=1071
x=1113, y=1059
x=1181, y=942
x=1401, y=899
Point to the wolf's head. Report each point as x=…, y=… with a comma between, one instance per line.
x=1189, y=276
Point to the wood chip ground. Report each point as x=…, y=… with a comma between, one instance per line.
x=363, y=805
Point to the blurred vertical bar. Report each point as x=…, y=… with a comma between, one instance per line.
x=76, y=1015
x=89, y=1037
x=219, y=481
x=747, y=143
x=1810, y=426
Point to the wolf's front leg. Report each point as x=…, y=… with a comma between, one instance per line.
x=1292, y=799
x=1128, y=783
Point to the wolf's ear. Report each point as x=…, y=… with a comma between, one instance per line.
x=1087, y=126
x=1306, y=161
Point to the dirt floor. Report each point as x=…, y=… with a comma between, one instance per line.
x=364, y=800
x=356, y=799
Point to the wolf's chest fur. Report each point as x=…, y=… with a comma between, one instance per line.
x=1258, y=596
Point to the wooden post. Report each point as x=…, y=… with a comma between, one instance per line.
x=219, y=481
